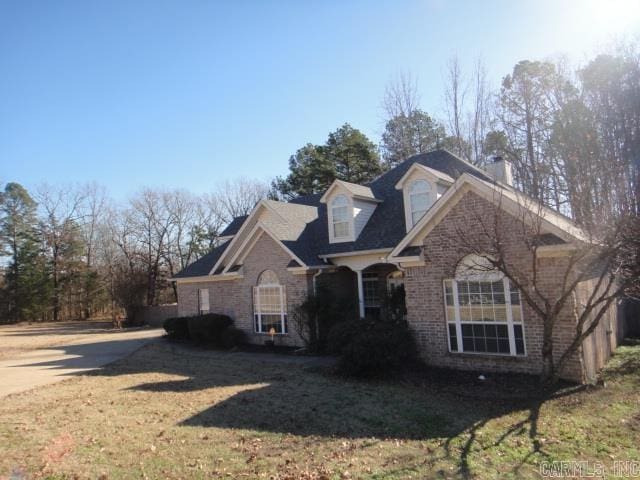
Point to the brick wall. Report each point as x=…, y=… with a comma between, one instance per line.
x=425, y=299
x=234, y=297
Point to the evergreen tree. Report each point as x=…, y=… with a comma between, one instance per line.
x=353, y=155
x=347, y=155
x=409, y=134
x=26, y=279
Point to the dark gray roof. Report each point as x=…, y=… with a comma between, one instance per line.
x=385, y=228
x=234, y=226
x=204, y=264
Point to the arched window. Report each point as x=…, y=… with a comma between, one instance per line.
x=419, y=199
x=483, y=310
x=269, y=304
x=340, y=217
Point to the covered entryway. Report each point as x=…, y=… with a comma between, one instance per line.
x=372, y=288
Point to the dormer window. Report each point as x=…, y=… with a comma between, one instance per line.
x=421, y=186
x=341, y=217
x=349, y=207
x=420, y=199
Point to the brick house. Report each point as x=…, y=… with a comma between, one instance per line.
x=364, y=241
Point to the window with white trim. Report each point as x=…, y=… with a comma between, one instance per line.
x=269, y=304
x=340, y=216
x=420, y=199
x=371, y=290
x=203, y=300
x=483, y=310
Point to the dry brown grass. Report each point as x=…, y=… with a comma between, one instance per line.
x=167, y=413
x=22, y=337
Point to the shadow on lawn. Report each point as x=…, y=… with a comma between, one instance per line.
x=287, y=399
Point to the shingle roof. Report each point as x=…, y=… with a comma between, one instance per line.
x=204, y=264
x=358, y=191
x=234, y=226
x=385, y=228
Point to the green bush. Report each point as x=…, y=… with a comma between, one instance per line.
x=370, y=349
x=208, y=328
x=176, y=328
x=319, y=313
x=233, y=337
x=343, y=333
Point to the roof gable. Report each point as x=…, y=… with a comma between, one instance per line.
x=284, y=221
x=422, y=170
x=250, y=241
x=506, y=198
x=361, y=192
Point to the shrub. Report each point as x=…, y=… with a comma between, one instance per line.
x=233, y=337
x=319, y=313
x=176, y=328
x=208, y=328
x=341, y=334
x=373, y=348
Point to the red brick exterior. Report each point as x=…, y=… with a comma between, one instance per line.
x=235, y=297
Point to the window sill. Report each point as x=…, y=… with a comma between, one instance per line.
x=488, y=356
x=267, y=334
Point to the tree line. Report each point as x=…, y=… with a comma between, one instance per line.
x=572, y=135
x=71, y=252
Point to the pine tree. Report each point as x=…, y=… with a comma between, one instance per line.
x=347, y=155
x=409, y=134
x=26, y=279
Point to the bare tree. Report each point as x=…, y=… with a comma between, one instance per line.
x=91, y=210
x=401, y=97
x=151, y=224
x=455, y=95
x=480, y=116
x=60, y=226
x=579, y=286
x=408, y=130
x=235, y=198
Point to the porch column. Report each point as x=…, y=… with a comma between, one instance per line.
x=360, y=293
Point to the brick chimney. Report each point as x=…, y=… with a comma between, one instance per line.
x=500, y=171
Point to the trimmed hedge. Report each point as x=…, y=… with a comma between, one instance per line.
x=371, y=349
x=176, y=328
x=208, y=329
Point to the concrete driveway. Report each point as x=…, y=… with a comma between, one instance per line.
x=40, y=354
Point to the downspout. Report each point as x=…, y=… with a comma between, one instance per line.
x=315, y=284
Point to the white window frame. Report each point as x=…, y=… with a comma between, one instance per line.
x=203, y=301
x=331, y=223
x=367, y=280
x=408, y=210
x=458, y=322
x=257, y=313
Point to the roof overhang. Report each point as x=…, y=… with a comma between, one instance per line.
x=355, y=253
x=207, y=278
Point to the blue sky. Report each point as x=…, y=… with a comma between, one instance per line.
x=188, y=93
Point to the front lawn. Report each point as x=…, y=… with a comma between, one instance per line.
x=167, y=412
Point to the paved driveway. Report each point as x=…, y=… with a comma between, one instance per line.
x=39, y=354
